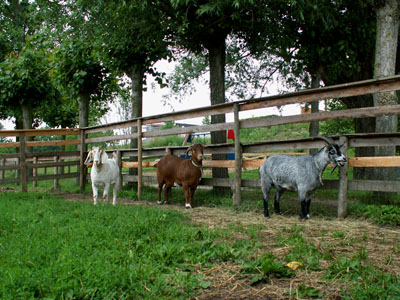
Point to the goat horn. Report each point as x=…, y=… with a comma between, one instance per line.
x=326, y=139
x=189, y=149
x=88, y=157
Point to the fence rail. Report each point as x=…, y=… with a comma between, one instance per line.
x=28, y=160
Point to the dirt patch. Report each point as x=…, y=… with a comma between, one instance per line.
x=335, y=238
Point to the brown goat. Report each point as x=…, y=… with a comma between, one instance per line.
x=186, y=172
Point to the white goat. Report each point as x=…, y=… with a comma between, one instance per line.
x=104, y=173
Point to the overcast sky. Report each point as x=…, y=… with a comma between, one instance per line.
x=153, y=104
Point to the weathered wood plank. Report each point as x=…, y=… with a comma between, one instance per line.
x=308, y=95
x=10, y=180
x=140, y=159
x=22, y=163
x=51, y=154
x=323, y=116
x=9, y=155
x=380, y=161
x=53, y=176
x=52, y=143
x=9, y=167
x=191, y=129
x=237, y=197
x=383, y=161
x=10, y=145
x=53, y=164
x=343, y=181
x=374, y=185
x=111, y=126
x=111, y=138
x=40, y=132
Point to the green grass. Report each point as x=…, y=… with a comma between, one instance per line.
x=56, y=249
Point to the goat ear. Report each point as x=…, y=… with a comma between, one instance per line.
x=189, y=149
x=101, y=156
x=88, y=158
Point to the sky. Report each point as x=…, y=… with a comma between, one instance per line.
x=153, y=104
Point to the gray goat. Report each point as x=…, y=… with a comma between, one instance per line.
x=298, y=173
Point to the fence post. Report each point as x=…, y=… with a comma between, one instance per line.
x=22, y=163
x=16, y=175
x=119, y=159
x=55, y=173
x=140, y=158
x=82, y=167
x=343, y=180
x=237, y=196
x=3, y=162
x=34, y=171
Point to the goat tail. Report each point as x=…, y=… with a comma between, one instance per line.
x=168, y=151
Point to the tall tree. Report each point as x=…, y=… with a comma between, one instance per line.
x=25, y=85
x=387, y=33
x=131, y=38
x=204, y=26
x=83, y=76
x=323, y=38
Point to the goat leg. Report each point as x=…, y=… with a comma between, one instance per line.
x=166, y=191
x=266, y=212
x=160, y=186
x=308, y=202
x=95, y=193
x=276, y=201
x=115, y=192
x=303, y=210
x=187, y=192
x=105, y=192
x=192, y=190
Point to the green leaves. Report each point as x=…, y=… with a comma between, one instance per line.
x=264, y=267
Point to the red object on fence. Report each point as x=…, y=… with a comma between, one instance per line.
x=231, y=134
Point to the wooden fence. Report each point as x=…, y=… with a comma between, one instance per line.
x=85, y=137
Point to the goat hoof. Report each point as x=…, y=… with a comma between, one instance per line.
x=187, y=205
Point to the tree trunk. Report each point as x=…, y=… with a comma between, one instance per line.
x=314, y=125
x=387, y=29
x=84, y=100
x=217, y=94
x=365, y=125
x=136, y=75
x=27, y=120
x=27, y=117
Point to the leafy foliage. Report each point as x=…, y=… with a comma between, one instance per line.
x=25, y=79
x=374, y=283
x=264, y=267
x=336, y=127
x=380, y=214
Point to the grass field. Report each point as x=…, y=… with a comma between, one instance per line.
x=52, y=248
